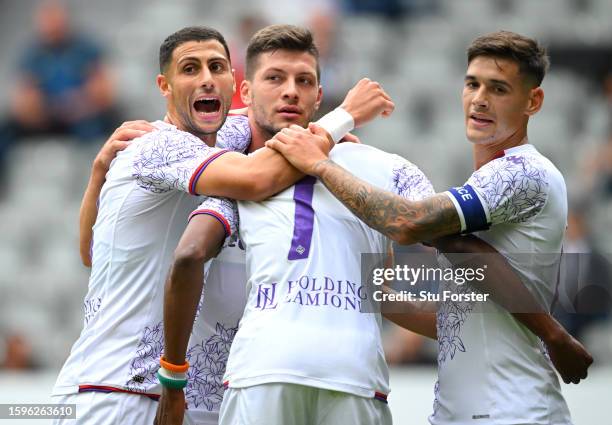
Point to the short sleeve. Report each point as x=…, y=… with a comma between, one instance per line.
x=222, y=209
x=512, y=189
x=409, y=181
x=170, y=159
x=235, y=134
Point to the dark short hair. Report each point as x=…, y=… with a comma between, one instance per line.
x=184, y=35
x=277, y=37
x=531, y=58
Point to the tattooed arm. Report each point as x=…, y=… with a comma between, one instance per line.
x=404, y=221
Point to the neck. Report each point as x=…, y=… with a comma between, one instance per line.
x=487, y=152
x=210, y=139
x=259, y=136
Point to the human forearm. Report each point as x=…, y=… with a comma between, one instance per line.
x=181, y=296
x=402, y=220
x=200, y=242
x=249, y=178
x=89, y=212
x=419, y=318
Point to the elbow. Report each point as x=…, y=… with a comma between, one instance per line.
x=85, y=256
x=189, y=256
x=86, y=260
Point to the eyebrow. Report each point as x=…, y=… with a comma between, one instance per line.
x=275, y=70
x=493, y=81
x=197, y=59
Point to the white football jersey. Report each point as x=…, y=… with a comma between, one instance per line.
x=491, y=369
x=143, y=211
x=302, y=323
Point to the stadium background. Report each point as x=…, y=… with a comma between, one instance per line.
x=415, y=48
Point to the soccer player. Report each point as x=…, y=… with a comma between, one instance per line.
x=493, y=371
x=144, y=204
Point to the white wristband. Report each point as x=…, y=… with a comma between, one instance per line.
x=172, y=375
x=337, y=123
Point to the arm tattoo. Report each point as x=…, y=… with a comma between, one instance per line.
x=400, y=219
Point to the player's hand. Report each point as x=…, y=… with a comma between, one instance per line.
x=366, y=101
x=303, y=148
x=350, y=138
x=120, y=140
x=569, y=357
x=171, y=407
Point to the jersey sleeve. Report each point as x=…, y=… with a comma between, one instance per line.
x=170, y=159
x=222, y=209
x=512, y=189
x=409, y=181
x=235, y=134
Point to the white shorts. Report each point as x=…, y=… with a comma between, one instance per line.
x=290, y=404
x=115, y=408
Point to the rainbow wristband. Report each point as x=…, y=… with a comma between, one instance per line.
x=172, y=380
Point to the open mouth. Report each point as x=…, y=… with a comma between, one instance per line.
x=207, y=105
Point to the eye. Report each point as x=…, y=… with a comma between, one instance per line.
x=217, y=67
x=273, y=77
x=189, y=69
x=306, y=81
x=471, y=84
x=500, y=90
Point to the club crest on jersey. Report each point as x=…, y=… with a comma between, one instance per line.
x=266, y=296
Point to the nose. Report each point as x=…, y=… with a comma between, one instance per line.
x=480, y=98
x=290, y=91
x=206, y=80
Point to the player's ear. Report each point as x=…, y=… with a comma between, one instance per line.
x=245, y=92
x=319, y=98
x=234, y=80
x=535, y=102
x=164, y=85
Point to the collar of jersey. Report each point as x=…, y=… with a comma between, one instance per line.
x=514, y=150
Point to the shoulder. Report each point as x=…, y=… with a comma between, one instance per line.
x=235, y=134
x=516, y=187
x=514, y=171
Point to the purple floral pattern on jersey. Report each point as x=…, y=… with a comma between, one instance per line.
x=144, y=366
x=91, y=307
x=514, y=188
x=410, y=182
x=235, y=135
x=436, y=403
x=166, y=159
x=207, y=365
x=450, y=318
x=224, y=207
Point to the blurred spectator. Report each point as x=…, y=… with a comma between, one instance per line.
x=394, y=10
x=18, y=353
x=585, y=290
x=324, y=24
x=248, y=25
x=64, y=87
